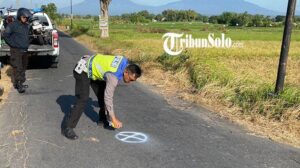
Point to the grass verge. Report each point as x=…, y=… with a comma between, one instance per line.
x=237, y=83
x=5, y=82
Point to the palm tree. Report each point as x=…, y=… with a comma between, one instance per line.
x=104, y=18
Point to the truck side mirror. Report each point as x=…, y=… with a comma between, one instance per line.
x=54, y=26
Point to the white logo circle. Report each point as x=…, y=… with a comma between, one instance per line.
x=132, y=137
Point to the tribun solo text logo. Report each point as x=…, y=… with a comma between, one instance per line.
x=175, y=43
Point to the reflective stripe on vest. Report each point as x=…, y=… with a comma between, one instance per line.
x=90, y=67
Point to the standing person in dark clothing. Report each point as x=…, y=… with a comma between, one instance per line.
x=16, y=35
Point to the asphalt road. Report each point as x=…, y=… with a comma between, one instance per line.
x=30, y=129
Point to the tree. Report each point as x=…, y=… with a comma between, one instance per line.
x=159, y=17
x=213, y=19
x=240, y=19
x=138, y=18
x=104, y=4
x=51, y=10
x=267, y=21
x=146, y=14
x=226, y=18
x=87, y=17
x=202, y=18
x=257, y=21
x=191, y=15
x=279, y=18
x=244, y=19
x=170, y=15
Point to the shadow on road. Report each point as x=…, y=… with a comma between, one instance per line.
x=61, y=34
x=42, y=62
x=66, y=103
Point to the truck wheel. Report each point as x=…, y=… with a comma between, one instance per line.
x=54, y=62
x=54, y=65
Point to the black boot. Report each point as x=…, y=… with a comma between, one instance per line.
x=21, y=87
x=108, y=125
x=69, y=133
x=103, y=120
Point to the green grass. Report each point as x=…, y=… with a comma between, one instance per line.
x=245, y=75
x=199, y=30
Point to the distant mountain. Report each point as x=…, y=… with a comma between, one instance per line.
x=206, y=7
x=215, y=7
x=117, y=7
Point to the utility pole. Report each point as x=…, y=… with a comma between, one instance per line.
x=71, y=15
x=285, y=46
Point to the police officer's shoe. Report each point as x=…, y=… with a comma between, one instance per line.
x=108, y=126
x=69, y=133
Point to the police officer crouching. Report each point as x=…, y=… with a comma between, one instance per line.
x=16, y=35
x=102, y=73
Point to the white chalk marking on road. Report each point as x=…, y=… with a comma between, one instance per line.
x=131, y=137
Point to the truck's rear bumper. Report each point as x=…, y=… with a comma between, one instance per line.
x=33, y=49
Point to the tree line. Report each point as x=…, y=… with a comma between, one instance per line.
x=226, y=18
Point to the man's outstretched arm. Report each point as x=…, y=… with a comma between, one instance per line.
x=111, y=84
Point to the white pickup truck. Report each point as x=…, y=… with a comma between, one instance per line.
x=43, y=37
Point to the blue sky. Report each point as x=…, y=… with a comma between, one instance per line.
x=277, y=5
x=154, y=2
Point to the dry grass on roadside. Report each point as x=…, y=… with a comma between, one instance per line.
x=172, y=85
x=5, y=81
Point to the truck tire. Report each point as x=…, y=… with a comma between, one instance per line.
x=54, y=62
x=54, y=65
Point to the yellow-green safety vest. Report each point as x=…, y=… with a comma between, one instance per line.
x=98, y=65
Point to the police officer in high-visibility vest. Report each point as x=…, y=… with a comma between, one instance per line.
x=102, y=73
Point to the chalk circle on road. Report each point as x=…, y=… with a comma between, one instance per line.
x=131, y=137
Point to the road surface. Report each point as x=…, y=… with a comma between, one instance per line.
x=30, y=133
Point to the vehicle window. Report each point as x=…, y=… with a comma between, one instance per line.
x=43, y=20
